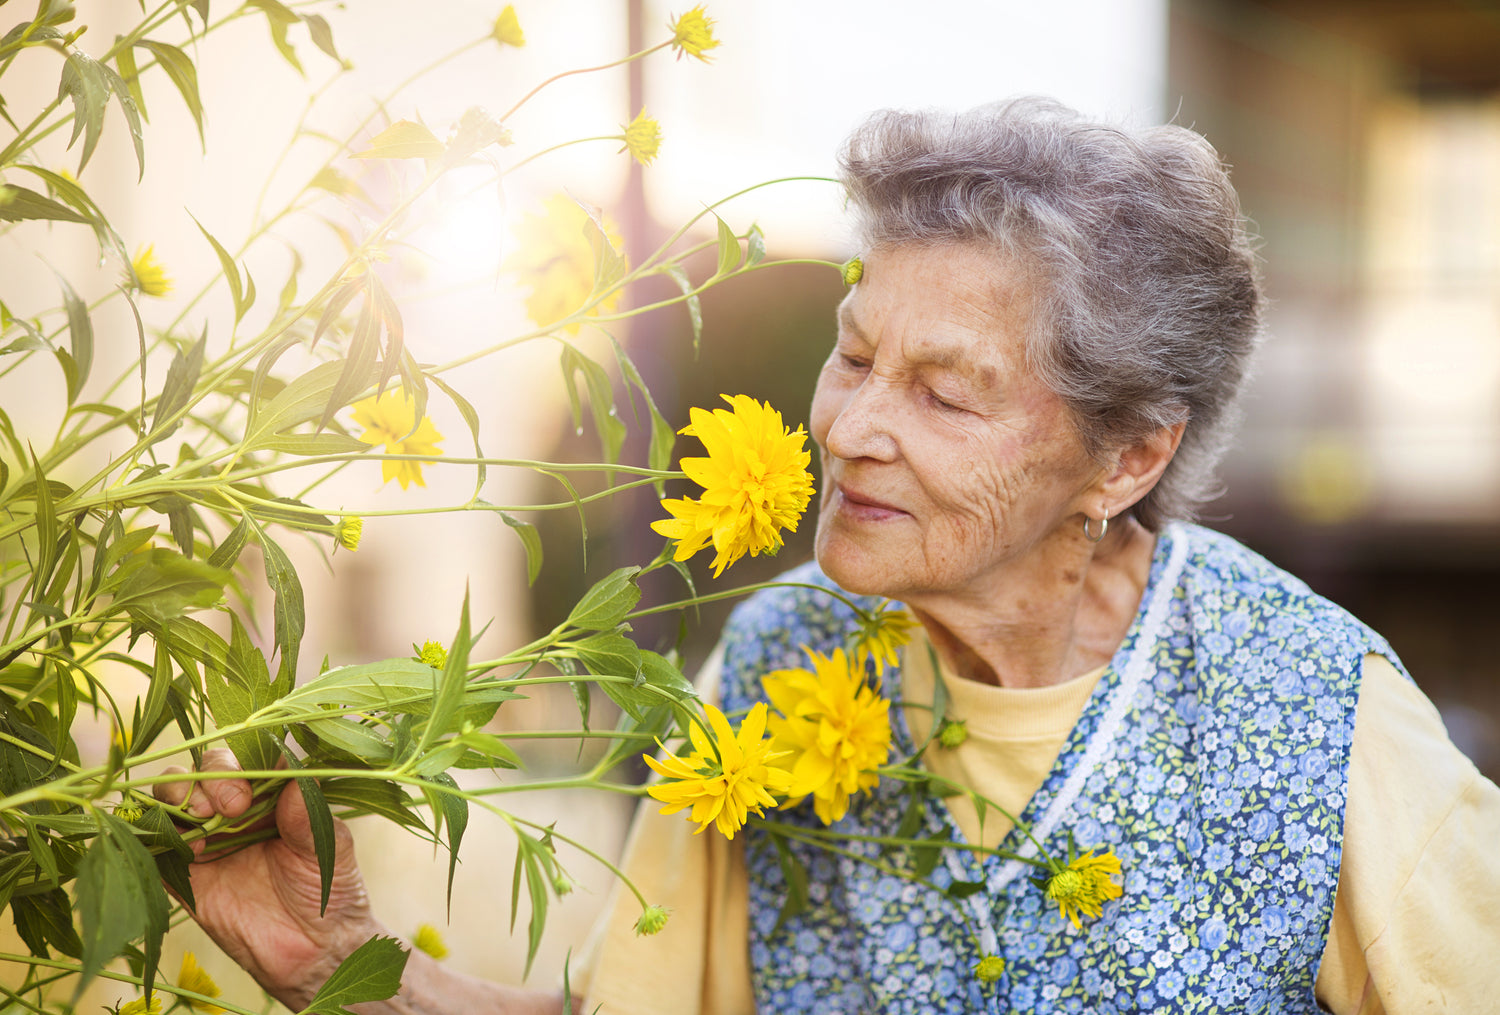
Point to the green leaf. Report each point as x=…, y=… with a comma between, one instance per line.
x=304, y=399
x=231, y=271
x=46, y=918
x=278, y=18
x=80, y=338
x=338, y=184
x=173, y=856
x=161, y=585
x=398, y=685
x=485, y=750
x=607, y=603
x=84, y=82
x=130, y=73
x=125, y=99
x=404, y=139
x=352, y=738
x=609, y=264
x=663, y=437
x=960, y=890
x=320, y=819
x=227, y=552
x=531, y=540
x=657, y=681
x=22, y=203
x=120, y=898
x=291, y=617
x=607, y=422
x=729, y=249
x=46, y=526
x=362, y=362
x=182, y=378
x=755, y=246
x=455, y=811
x=371, y=796
x=695, y=306
x=179, y=67
x=322, y=35
x=449, y=691
x=471, y=419
x=75, y=196
x=237, y=687
x=371, y=973
x=794, y=874
x=309, y=444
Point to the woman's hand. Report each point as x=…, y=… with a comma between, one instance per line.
x=260, y=903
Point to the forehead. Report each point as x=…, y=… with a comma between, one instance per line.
x=949, y=304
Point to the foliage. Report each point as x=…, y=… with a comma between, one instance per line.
x=123, y=540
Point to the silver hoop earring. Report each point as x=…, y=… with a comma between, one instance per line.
x=1103, y=528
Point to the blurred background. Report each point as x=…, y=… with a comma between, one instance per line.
x=1364, y=139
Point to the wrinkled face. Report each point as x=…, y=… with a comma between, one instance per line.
x=948, y=467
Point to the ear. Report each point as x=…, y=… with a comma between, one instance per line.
x=1137, y=469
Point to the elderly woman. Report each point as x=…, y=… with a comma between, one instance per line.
x=1032, y=383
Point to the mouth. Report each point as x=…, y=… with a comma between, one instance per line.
x=865, y=505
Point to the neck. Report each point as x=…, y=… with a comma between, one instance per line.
x=1064, y=616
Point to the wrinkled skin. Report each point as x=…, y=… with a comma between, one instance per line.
x=260, y=905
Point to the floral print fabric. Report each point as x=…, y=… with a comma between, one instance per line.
x=1212, y=758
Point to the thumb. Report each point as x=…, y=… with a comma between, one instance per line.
x=294, y=825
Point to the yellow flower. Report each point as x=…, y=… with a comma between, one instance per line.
x=555, y=259
x=140, y=1007
x=853, y=271
x=433, y=654
x=989, y=969
x=693, y=34
x=390, y=418
x=726, y=777
x=880, y=635
x=653, y=919
x=755, y=483
x=834, y=728
x=147, y=275
x=643, y=138
x=428, y=939
x=195, y=979
x=348, y=532
x=507, y=30
x=1084, y=885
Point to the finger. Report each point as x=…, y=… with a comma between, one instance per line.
x=172, y=793
x=229, y=797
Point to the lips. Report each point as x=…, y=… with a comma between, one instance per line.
x=864, y=503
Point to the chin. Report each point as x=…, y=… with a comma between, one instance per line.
x=854, y=569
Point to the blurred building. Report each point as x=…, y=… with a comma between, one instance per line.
x=1365, y=143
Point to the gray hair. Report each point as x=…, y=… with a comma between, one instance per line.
x=1149, y=308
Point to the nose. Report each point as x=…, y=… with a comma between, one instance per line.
x=862, y=426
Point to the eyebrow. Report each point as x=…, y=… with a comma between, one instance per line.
x=944, y=357
x=848, y=323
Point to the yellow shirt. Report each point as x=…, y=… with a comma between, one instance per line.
x=1416, y=920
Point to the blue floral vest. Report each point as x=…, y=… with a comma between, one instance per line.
x=1212, y=757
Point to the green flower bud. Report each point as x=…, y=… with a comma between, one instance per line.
x=952, y=733
x=853, y=270
x=989, y=969
x=652, y=920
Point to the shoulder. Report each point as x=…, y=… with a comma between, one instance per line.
x=1417, y=888
x=1250, y=593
